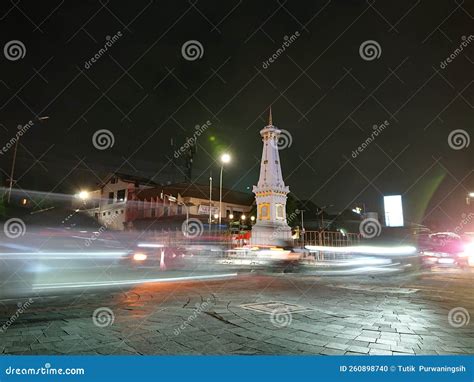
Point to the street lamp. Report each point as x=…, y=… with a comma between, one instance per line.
x=11, y=181
x=225, y=158
x=83, y=195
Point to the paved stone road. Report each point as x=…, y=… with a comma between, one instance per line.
x=350, y=315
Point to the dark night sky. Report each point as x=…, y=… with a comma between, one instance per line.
x=320, y=88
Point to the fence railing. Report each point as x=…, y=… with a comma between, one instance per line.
x=327, y=239
x=317, y=238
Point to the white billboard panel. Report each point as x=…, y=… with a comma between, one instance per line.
x=393, y=210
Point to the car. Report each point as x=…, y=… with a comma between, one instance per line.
x=445, y=249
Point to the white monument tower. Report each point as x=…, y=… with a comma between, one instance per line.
x=271, y=227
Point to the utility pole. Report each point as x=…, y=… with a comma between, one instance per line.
x=14, y=160
x=12, y=170
x=210, y=202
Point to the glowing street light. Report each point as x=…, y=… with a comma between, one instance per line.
x=243, y=217
x=231, y=216
x=83, y=195
x=225, y=158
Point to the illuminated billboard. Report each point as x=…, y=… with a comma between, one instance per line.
x=393, y=210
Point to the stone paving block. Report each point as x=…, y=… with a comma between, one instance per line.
x=358, y=349
x=359, y=343
x=387, y=342
x=379, y=352
x=329, y=351
x=334, y=345
x=379, y=346
x=402, y=349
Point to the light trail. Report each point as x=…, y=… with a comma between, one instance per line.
x=130, y=282
x=365, y=249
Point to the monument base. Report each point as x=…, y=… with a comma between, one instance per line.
x=271, y=234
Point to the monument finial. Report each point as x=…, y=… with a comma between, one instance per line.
x=270, y=122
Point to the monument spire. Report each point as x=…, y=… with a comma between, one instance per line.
x=271, y=226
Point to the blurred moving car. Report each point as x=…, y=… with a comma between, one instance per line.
x=446, y=249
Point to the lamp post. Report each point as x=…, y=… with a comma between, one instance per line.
x=11, y=181
x=225, y=158
x=470, y=196
x=210, y=202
